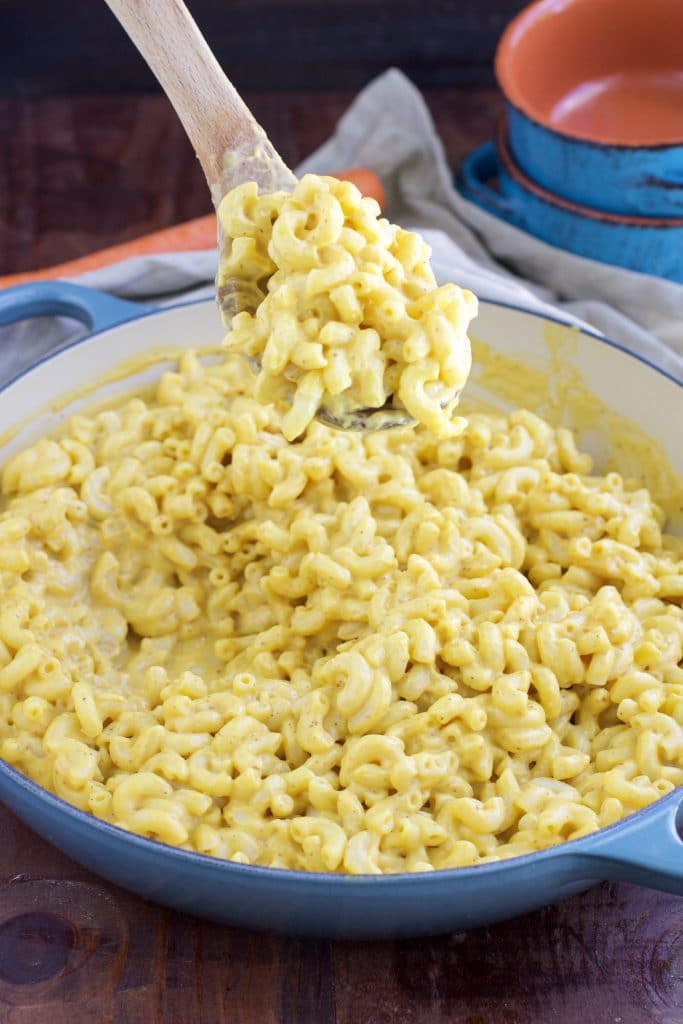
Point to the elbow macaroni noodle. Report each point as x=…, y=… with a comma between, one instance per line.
x=359, y=653
x=347, y=313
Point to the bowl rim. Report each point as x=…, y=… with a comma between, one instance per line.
x=517, y=26
x=584, y=845
x=567, y=205
x=151, y=311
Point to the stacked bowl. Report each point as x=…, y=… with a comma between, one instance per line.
x=590, y=154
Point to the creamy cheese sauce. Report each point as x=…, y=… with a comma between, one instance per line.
x=353, y=653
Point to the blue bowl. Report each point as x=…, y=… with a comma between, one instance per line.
x=594, y=92
x=629, y=180
x=650, y=245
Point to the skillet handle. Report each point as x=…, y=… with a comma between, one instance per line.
x=60, y=298
x=646, y=851
x=474, y=174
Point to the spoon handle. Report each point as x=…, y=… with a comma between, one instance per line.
x=230, y=145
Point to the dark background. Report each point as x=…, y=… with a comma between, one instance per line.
x=92, y=155
x=50, y=47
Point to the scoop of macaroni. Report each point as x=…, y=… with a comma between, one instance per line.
x=359, y=653
x=347, y=315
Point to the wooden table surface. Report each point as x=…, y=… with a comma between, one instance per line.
x=80, y=173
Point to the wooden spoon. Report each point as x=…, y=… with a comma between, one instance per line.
x=230, y=144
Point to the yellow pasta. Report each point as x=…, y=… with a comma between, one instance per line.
x=346, y=312
x=359, y=653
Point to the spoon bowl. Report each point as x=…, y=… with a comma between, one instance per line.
x=231, y=147
x=386, y=418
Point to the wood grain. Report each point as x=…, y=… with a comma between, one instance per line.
x=81, y=173
x=74, y=948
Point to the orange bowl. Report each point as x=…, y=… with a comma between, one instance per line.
x=608, y=71
x=594, y=93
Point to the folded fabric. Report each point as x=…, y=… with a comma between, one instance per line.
x=389, y=129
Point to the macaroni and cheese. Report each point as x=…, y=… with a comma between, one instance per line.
x=346, y=315
x=359, y=653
